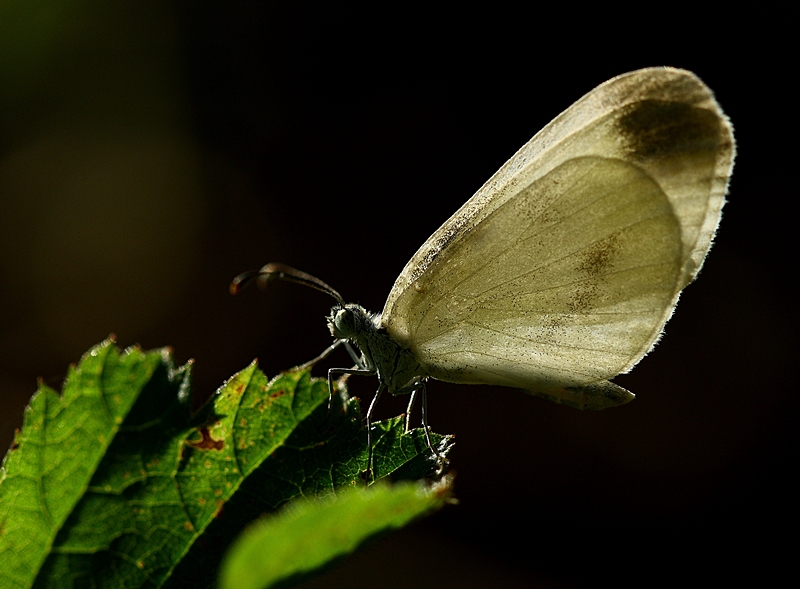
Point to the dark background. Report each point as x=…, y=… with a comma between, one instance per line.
x=150, y=151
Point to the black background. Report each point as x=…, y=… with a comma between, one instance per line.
x=151, y=151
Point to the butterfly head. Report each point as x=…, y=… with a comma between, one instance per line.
x=349, y=321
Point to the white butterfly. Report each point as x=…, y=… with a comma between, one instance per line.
x=561, y=271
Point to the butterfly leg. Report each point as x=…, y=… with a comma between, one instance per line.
x=327, y=352
x=361, y=367
x=322, y=356
x=370, y=470
x=332, y=371
x=359, y=360
x=418, y=388
x=425, y=425
x=411, y=401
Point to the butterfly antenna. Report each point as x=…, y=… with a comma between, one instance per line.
x=277, y=271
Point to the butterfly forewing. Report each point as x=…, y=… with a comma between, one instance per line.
x=565, y=266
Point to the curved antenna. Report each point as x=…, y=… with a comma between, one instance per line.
x=278, y=271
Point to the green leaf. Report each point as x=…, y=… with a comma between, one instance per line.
x=306, y=536
x=114, y=483
x=64, y=438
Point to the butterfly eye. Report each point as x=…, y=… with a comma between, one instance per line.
x=343, y=325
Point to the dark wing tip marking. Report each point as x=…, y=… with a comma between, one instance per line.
x=658, y=128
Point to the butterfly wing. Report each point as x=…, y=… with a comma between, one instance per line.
x=564, y=267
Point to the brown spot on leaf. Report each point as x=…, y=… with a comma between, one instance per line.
x=206, y=442
x=277, y=394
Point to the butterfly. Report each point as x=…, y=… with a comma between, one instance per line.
x=562, y=270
